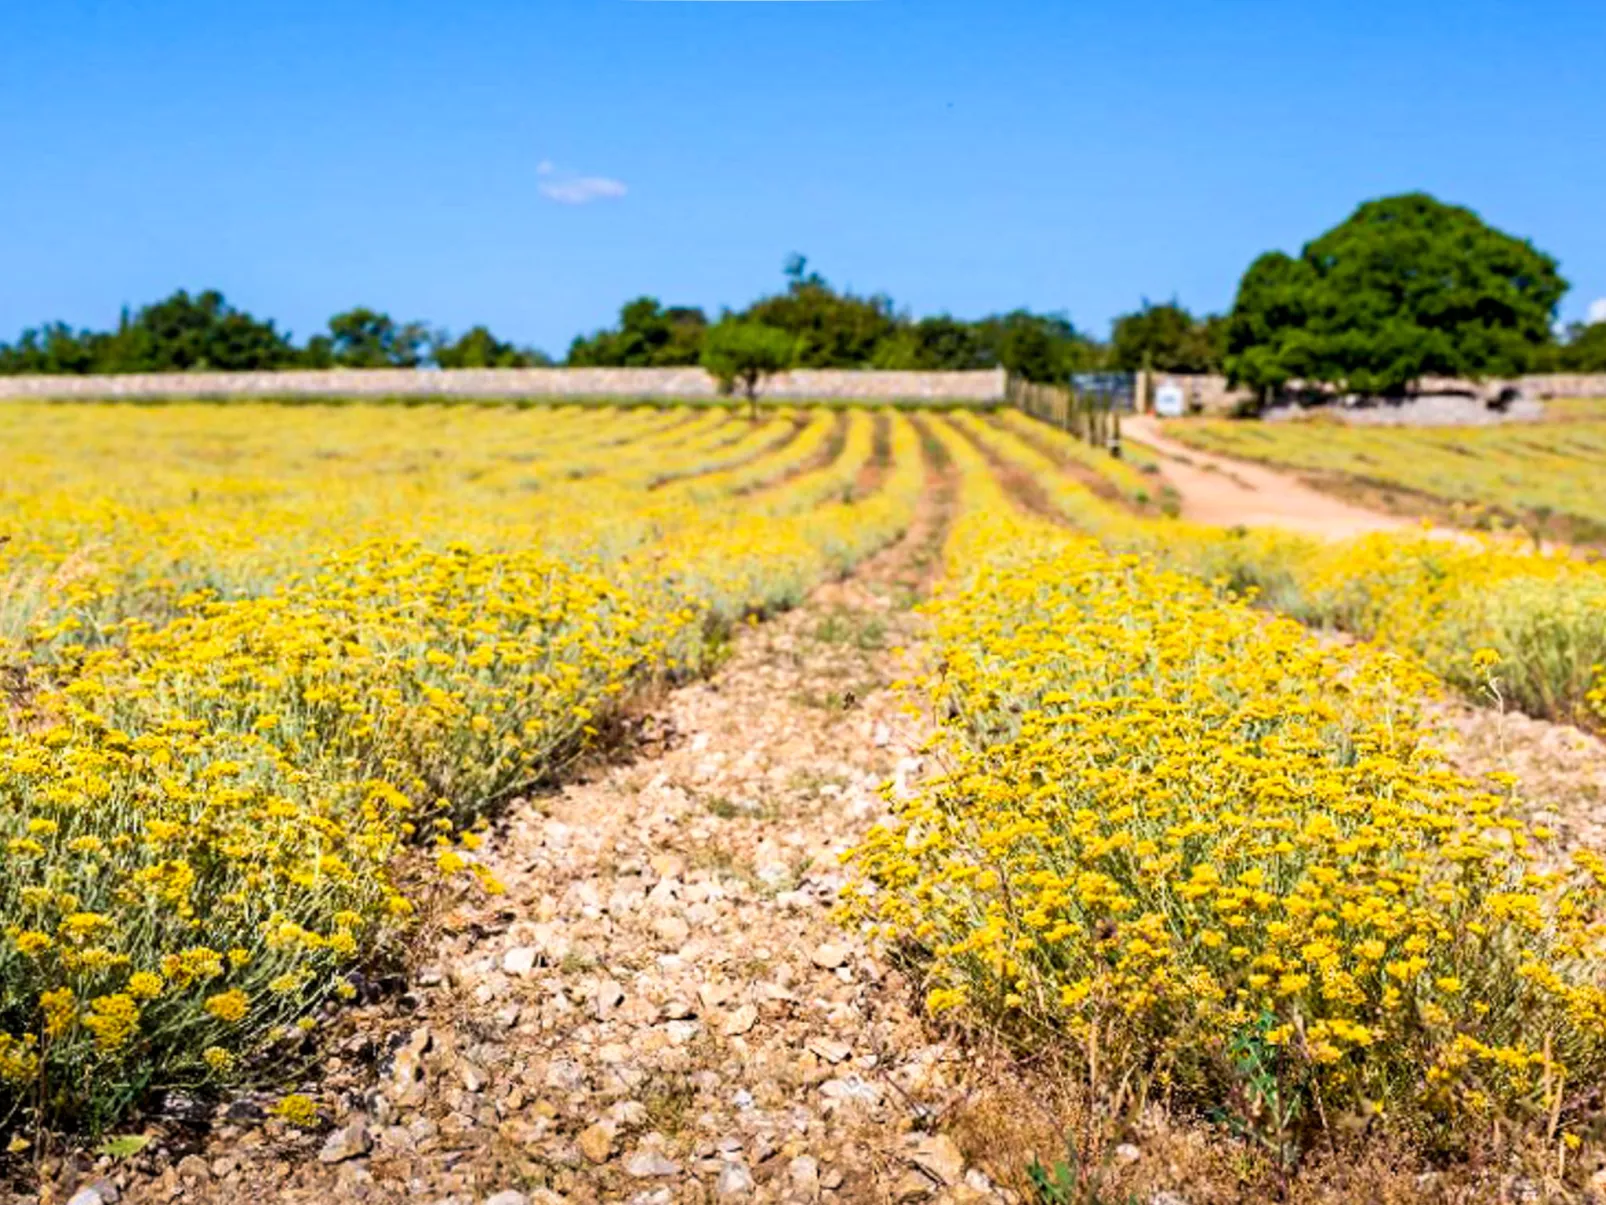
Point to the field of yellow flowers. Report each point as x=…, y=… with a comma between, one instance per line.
x=252, y=656
x=1449, y=602
x=1217, y=862
x=268, y=670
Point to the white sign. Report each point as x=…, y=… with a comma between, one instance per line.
x=1168, y=400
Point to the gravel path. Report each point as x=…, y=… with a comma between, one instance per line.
x=660, y=1009
x=1235, y=493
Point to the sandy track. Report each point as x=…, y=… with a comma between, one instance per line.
x=1234, y=493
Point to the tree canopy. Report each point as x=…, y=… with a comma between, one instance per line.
x=835, y=328
x=178, y=334
x=478, y=348
x=1166, y=338
x=742, y=352
x=185, y=333
x=1582, y=350
x=1406, y=287
x=648, y=336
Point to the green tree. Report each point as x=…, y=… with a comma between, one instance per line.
x=649, y=335
x=478, y=348
x=365, y=338
x=831, y=329
x=1039, y=347
x=1166, y=338
x=178, y=334
x=1583, y=350
x=1406, y=287
x=740, y=352
x=935, y=344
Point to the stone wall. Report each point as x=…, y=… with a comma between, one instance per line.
x=807, y=384
x=1212, y=394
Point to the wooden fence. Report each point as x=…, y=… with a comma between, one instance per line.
x=1089, y=417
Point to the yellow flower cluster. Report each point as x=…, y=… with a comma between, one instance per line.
x=1442, y=599
x=1167, y=824
x=251, y=655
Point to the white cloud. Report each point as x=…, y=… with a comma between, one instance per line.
x=567, y=188
x=1597, y=311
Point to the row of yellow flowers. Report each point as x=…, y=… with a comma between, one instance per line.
x=206, y=808
x=1204, y=855
x=1441, y=598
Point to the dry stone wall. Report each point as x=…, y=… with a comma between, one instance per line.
x=811, y=384
x=1213, y=395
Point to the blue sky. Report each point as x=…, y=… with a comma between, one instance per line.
x=533, y=164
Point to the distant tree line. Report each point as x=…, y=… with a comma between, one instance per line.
x=834, y=328
x=825, y=327
x=203, y=332
x=1406, y=287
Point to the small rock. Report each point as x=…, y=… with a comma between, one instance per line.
x=349, y=1142
x=735, y=1182
x=741, y=1021
x=804, y=1172
x=101, y=1192
x=1127, y=1153
x=830, y=956
x=912, y=1186
x=595, y=1143
x=509, y=1197
x=645, y=1164
x=939, y=1157
x=473, y=1078
x=193, y=1167
x=565, y=1075
x=520, y=960
x=829, y=1049
x=1166, y=1197
x=668, y=866
x=671, y=930
x=851, y=1088
x=609, y=997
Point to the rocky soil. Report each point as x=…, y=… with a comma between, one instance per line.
x=660, y=1008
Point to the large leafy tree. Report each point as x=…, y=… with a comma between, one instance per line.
x=649, y=335
x=365, y=338
x=1166, y=338
x=832, y=329
x=1406, y=287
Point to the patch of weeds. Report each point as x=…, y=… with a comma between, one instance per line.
x=1070, y=1182
x=839, y=699
x=668, y=1102
x=811, y=784
x=576, y=964
x=721, y=807
x=858, y=629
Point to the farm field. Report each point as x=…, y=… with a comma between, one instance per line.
x=613, y=739
x=1522, y=472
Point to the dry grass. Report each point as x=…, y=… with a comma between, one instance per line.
x=1115, y=1152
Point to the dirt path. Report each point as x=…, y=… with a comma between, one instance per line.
x=660, y=1009
x=1234, y=493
